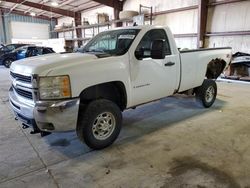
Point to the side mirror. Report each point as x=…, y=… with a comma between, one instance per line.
x=139, y=54
x=158, y=49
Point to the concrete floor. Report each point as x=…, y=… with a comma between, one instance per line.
x=171, y=143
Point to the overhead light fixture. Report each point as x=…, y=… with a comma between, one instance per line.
x=54, y=3
x=33, y=14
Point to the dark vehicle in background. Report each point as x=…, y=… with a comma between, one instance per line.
x=10, y=47
x=24, y=52
x=5, y=49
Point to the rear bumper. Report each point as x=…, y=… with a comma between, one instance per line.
x=48, y=115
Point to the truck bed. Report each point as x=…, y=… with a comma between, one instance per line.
x=194, y=65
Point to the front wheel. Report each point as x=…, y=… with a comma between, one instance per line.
x=99, y=124
x=207, y=93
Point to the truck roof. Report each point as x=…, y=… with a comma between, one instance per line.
x=146, y=27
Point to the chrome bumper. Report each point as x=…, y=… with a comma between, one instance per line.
x=49, y=115
x=57, y=115
x=22, y=109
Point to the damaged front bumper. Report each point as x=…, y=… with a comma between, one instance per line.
x=57, y=115
x=51, y=116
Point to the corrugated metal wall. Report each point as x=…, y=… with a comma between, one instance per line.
x=229, y=17
x=179, y=22
x=8, y=18
x=221, y=18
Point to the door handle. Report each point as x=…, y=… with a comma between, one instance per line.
x=169, y=64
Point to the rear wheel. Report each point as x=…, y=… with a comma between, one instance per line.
x=7, y=62
x=206, y=93
x=99, y=124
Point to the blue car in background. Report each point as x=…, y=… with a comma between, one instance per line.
x=23, y=52
x=5, y=49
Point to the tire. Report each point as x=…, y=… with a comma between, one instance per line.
x=99, y=124
x=7, y=62
x=207, y=93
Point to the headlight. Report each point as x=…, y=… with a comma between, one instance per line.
x=54, y=87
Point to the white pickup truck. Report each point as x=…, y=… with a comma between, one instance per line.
x=117, y=70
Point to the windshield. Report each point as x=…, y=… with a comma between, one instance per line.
x=116, y=42
x=4, y=48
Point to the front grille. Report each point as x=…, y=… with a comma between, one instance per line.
x=20, y=77
x=18, y=107
x=23, y=93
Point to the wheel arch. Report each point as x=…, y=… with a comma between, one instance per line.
x=114, y=91
x=215, y=67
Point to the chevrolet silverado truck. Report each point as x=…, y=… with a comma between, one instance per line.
x=117, y=70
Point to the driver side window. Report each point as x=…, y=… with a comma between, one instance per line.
x=144, y=47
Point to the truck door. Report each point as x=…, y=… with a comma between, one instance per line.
x=152, y=79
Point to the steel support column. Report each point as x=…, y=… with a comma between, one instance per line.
x=202, y=22
x=118, y=7
x=78, y=22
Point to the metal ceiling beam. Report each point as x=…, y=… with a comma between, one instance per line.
x=23, y=14
x=228, y=33
x=175, y=10
x=15, y=6
x=116, y=4
x=85, y=4
x=44, y=7
x=224, y=2
x=60, y=5
x=91, y=7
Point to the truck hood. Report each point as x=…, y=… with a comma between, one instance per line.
x=42, y=65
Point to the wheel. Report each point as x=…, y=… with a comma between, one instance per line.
x=7, y=62
x=206, y=93
x=99, y=124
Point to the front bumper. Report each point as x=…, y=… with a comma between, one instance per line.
x=48, y=115
x=22, y=109
x=57, y=115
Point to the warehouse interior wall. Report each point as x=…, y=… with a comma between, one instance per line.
x=9, y=18
x=68, y=34
x=19, y=30
x=89, y=15
x=229, y=17
x=221, y=18
x=183, y=22
x=188, y=25
x=158, y=5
